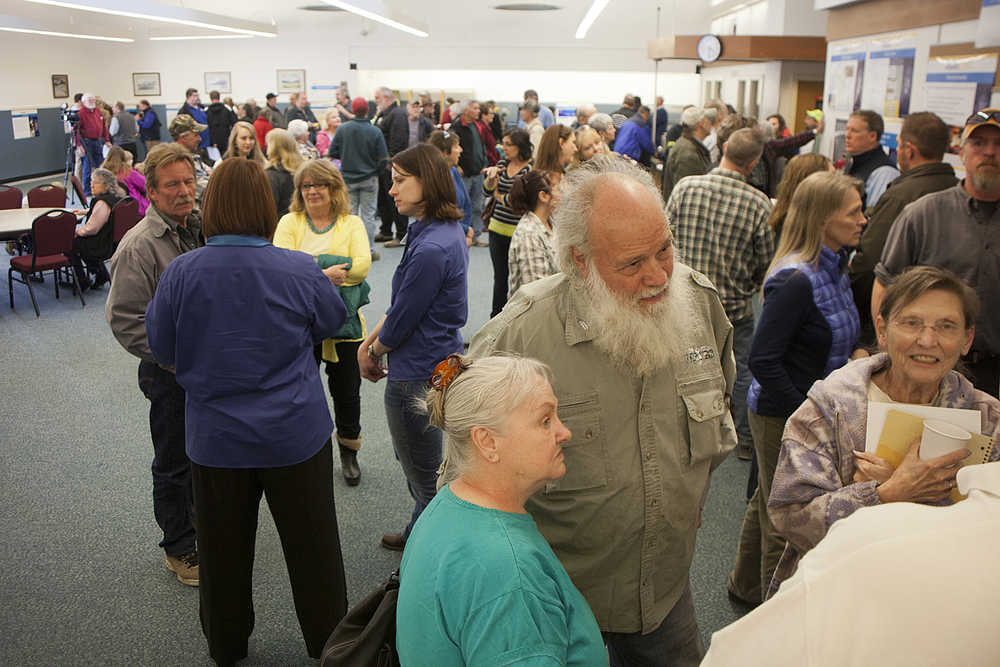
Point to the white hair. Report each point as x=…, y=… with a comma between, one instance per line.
x=692, y=116
x=462, y=105
x=600, y=121
x=571, y=219
x=485, y=394
x=384, y=90
x=587, y=110
x=298, y=128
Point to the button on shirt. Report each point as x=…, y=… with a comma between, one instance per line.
x=622, y=520
x=239, y=319
x=720, y=228
x=951, y=230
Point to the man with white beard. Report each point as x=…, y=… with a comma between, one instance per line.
x=641, y=350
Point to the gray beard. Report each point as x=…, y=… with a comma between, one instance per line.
x=637, y=338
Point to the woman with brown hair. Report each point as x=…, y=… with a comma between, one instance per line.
x=531, y=257
x=238, y=319
x=428, y=308
x=119, y=163
x=556, y=150
x=795, y=172
x=320, y=224
x=243, y=143
x=282, y=160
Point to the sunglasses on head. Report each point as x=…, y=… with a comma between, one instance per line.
x=984, y=116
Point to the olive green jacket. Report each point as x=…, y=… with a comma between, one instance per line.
x=622, y=520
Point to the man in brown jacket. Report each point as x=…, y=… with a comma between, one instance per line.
x=920, y=151
x=688, y=156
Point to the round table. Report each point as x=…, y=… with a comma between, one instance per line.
x=17, y=221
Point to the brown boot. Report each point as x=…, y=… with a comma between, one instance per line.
x=349, y=459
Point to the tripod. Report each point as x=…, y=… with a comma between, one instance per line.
x=71, y=158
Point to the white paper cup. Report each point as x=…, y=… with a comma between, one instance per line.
x=942, y=438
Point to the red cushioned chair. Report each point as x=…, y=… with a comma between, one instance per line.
x=10, y=197
x=53, y=234
x=78, y=189
x=125, y=216
x=47, y=196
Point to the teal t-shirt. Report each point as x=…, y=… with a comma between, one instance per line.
x=481, y=587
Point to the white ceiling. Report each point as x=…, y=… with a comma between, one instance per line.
x=624, y=24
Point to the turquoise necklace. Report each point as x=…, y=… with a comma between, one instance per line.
x=319, y=231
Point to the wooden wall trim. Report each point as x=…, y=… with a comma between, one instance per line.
x=878, y=16
x=743, y=48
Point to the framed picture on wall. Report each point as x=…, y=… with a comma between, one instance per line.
x=60, y=85
x=220, y=81
x=291, y=80
x=145, y=84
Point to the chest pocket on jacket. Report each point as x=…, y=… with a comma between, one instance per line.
x=705, y=404
x=585, y=453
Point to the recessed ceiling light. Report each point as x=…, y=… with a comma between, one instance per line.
x=527, y=7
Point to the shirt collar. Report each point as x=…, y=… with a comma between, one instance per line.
x=722, y=171
x=578, y=328
x=237, y=240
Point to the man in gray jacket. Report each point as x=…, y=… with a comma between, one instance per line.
x=169, y=229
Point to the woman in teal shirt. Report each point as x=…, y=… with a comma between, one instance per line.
x=478, y=584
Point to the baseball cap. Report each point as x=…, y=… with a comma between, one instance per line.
x=270, y=96
x=184, y=123
x=815, y=114
x=990, y=116
x=359, y=105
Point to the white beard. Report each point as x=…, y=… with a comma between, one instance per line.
x=637, y=338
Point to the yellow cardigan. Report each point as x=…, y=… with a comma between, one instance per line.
x=348, y=238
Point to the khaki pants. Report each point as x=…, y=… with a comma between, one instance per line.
x=761, y=545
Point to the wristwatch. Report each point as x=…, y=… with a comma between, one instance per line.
x=371, y=353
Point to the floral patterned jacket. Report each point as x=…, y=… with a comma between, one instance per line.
x=814, y=480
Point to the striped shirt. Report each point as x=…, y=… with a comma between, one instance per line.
x=720, y=229
x=504, y=219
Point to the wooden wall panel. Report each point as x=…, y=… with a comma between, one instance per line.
x=878, y=16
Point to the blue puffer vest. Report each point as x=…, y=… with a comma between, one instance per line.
x=832, y=295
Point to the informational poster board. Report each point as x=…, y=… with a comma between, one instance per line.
x=847, y=75
x=956, y=86
x=24, y=122
x=988, y=30
x=566, y=115
x=888, y=75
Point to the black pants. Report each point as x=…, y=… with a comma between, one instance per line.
x=172, y=503
x=300, y=498
x=386, y=206
x=95, y=265
x=985, y=371
x=499, y=249
x=344, y=381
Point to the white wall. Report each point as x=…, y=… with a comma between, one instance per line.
x=767, y=73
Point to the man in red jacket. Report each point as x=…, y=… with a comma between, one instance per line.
x=93, y=136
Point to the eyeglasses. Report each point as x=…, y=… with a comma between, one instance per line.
x=311, y=186
x=914, y=326
x=984, y=116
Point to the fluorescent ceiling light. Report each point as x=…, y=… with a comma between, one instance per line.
x=154, y=11
x=588, y=20
x=354, y=9
x=178, y=37
x=50, y=33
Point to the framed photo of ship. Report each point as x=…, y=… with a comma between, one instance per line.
x=146, y=84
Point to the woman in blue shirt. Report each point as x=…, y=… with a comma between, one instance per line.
x=238, y=319
x=808, y=328
x=428, y=309
x=479, y=585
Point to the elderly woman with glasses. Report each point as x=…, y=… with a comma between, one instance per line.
x=479, y=585
x=320, y=224
x=924, y=326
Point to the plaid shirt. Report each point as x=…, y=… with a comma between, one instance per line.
x=720, y=229
x=530, y=257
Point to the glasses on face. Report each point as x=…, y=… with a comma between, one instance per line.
x=306, y=187
x=983, y=116
x=944, y=329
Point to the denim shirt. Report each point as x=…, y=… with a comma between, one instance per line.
x=429, y=302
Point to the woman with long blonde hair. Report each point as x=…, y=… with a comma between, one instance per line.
x=796, y=171
x=119, y=163
x=243, y=143
x=282, y=160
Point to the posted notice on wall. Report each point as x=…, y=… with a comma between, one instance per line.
x=888, y=76
x=956, y=87
x=988, y=30
x=25, y=122
x=847, y=70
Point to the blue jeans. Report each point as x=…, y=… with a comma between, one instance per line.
x=742, y=337
x=676, y=643
x=172, y=497
x=474, y=184
x=364, y=204
x=93, y=157
x=417, y=443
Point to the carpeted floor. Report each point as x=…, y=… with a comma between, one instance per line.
x=82, y=578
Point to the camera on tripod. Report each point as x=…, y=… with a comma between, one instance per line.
x=69, y=115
